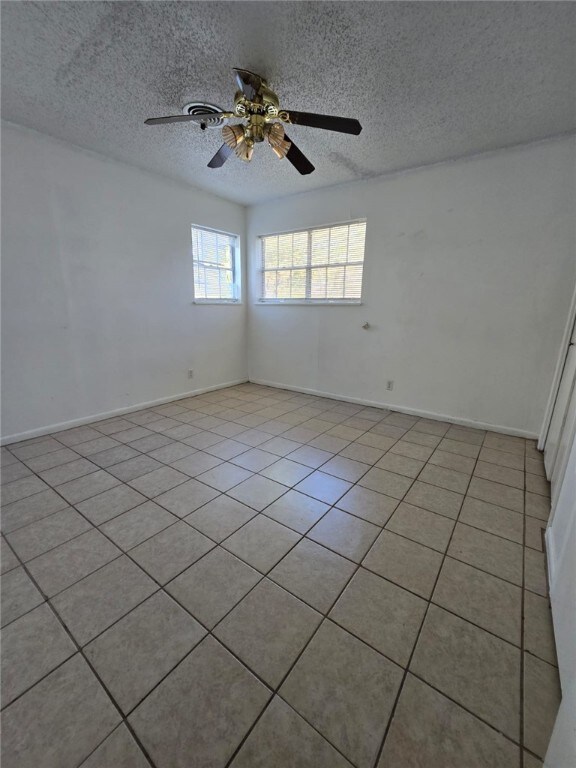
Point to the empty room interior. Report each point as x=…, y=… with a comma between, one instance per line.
x=288, y=384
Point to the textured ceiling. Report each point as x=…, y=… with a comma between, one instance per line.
x=429, y=81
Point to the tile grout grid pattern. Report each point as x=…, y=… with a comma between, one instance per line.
x=256, y=577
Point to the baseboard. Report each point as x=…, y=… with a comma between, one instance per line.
x=52, y=428
x=402, y=409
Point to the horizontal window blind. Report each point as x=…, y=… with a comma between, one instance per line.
x=214, y=264
x=315, y=265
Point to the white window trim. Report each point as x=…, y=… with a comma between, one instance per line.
x=236, y=269
x=306, y=302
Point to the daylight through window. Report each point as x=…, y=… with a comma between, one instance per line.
x=216, y=268
x=316, y=265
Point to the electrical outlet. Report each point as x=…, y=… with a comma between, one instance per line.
x=190, y=373
x=390, y=385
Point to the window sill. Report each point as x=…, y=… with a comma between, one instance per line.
x=304, y=303
x=226, y=302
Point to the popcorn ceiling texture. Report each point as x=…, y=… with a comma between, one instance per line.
x=428, y=81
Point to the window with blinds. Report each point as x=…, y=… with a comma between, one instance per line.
x=216, y=266
x=316, y=265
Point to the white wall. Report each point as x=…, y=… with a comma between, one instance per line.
x=96, y=286
x=470, y=267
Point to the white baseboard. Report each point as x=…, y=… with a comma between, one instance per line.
x=50, y=429
x=402, y=409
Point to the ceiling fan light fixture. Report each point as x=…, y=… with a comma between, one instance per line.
x=245, y=150
x=233, y=135
x=275, y=135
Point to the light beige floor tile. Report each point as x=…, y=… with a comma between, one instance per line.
x=502, y=458
x=445, y=478
x=369, y=505
x=496, y=493
x=453, y=461
x=19, y=595
x=388, y=483
x=345, y=690
x=69, y=562
x=138, y=524
x=431, y=427
x=362, y=453
x=118, y=750
x=404, y=562
x=541, y=701
x=188, y=713
x=345, y=469
x=109, y=458
x=402, y=465
x=537, y=506
x=313, y=573
x=90, y=606
x=310, y=457
x=133, y=468
x=267, y=630
x=287, y=472
x=103, y=507
x=8, y=559
x=138, y=651
x=472, y=667
x=283, y=739
x=20, y=489
x=537, y=484
x=466, y=435
x=435, y=499
x=171, y=551
x=492, y=518
x=187, y=497
x=255, y=460
x=345, y=534
x=538, y=628
x=213, y=586
x=297, y=511
x=69, y=701
x=32, y=646
x=422, y=526
x=37, y=538
x=490, y=553
x=458, y=447
x=323, y=487
x=412, y=450
x=535, y=466
x=382, y=442
x=261, y=543
x=227, y=449
x=159, y=481
x=52, y=459
x=480, y=598
x=257, y=492
x=280, y=446
x=430, y=731
x=85, y=487
x=13, y=472
x=167, y=454
x=220, y=517
x=498, y=474
x=535, y=578
x=504, y=443
x=534, y=533
x=382, y=614
x=196, y=464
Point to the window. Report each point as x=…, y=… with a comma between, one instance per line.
x=321, y=265
x=216, y=264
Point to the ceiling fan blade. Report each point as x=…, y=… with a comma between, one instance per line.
x=186, y=118
x=248, y=82
x=221, y=156
x=328, y=122
x=298, y=159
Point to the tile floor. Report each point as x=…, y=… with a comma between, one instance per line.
x=255, y=577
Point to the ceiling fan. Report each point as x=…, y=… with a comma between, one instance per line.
x=259, y=109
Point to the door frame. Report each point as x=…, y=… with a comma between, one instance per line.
x=566, y=338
